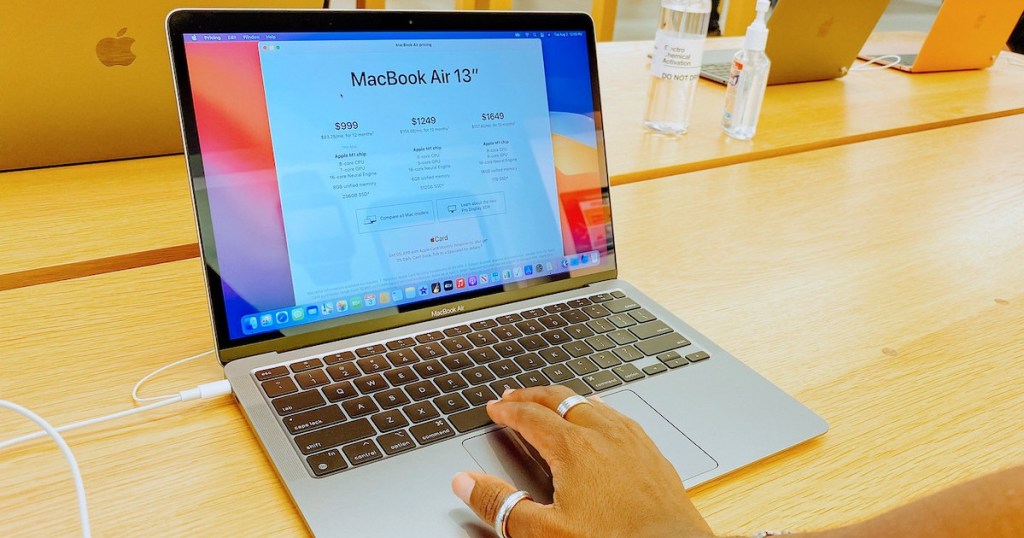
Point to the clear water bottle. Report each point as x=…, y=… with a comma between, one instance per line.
x=748, y=79
x=675, y=65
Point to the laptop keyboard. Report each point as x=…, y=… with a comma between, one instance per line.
x=360, y=405
x=721, y=71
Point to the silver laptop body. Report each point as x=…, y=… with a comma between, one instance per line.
x=368, y=403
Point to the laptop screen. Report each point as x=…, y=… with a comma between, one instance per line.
x=347, y=176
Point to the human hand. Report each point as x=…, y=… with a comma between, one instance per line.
x=609, y=478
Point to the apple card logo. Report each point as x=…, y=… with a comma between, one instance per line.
x=116, y=50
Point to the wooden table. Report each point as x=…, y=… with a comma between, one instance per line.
x=863, y=105
x=877, y=282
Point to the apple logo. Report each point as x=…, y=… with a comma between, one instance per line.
x=116, y=50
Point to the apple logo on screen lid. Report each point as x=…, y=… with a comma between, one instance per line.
x=116, y=50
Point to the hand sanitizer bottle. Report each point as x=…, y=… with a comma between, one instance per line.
x=675, y=65
x=748, y=79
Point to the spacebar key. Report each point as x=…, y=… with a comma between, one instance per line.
x=470, y=419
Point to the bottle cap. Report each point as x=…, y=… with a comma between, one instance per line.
x=757, y=32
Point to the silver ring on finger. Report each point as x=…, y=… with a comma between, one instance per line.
x=569, y=403
x=501, y=520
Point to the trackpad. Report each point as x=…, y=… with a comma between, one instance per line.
x=688, y=459
x=503, y=453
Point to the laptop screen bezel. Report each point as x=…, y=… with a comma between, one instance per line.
x=183, y=22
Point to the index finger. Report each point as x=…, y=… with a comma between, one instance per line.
x=545, y=430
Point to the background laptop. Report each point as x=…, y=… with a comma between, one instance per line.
x=402, y=214
x=807, y=40
x=967, y=34
x=82, y=82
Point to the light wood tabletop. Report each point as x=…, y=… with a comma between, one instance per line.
x=879, y=283
x=68, y=222
x=863, y=105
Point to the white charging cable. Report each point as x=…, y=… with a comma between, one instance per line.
x=867, y=66
x=203, y=391
x=76, y=474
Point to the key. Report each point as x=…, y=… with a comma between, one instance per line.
x=531, y=326
x=278, y=387
x=333, y=436
x=577, y=349
x=429, y=368
x=432, y=431
x=401, y=343
x=580, y=387
x=371, y=383
x=628, y=354
x=582, y=366
x=505, y=368
x=553, y=322
x=340, y=391
x=483, y=355
x=402, y=357
x=310, y=420
x=307, y=364
x=628, y=372
x=501, y=385
x=457, y=361
x=345, y=370
x=529, y=361
x=360, y=406
x=482, y=338
x=621, y=320
x=676, y=363
x=483, y=324
x=450, y=403
x=698, y=356
x=422, y=390
x=401, y=376
x=605, y=359
x=362, y=452
x=622, y=337
x=335, y=358
x=557, y=336
x=418, y=412
x=390, y=420
x=554, y=355
x=311, y=378
x=509, y=349
x=270, y=373
x=471, y=419
x=557, y=373
x=600, y=325
x=366, y=351
x=391, y=398
x=434, y=336
x=661, y=344
x=534, y=313
x=294, y=403
x=451, y=382
x=457, y=330
x=373, y=364
x=596, y=311
x=642, y=315
x=478, y=375
x=510, y=318
x=602, y=380
x=655, y=369
x=532, y=379
x=556, y=308
x=575, y=316
x=506, y=333
x=578, y=303
x=457, y=344
x=601, y=297
x=326, y=462
x=621, y=305
x=479, y=395
x=579, y=331
x=396, y=442
x=533, y=342
x=432, y=350
x=648, y=330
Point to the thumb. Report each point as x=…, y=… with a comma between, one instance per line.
x=485, y=494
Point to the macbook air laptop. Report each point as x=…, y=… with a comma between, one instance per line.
x=967, y=34
x=82, y=82
x=403, y=214
x=807, y=40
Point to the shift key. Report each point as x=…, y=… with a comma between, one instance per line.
x=471, y=419
x=334, y=436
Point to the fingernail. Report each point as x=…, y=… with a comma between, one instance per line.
x=507, y=392
x=489, y=402
x=462, y=485
x=597, y=399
